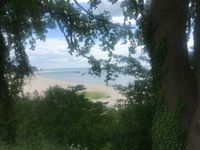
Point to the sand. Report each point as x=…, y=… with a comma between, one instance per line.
x=40, y=84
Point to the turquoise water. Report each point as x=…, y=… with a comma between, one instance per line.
x=82, y=76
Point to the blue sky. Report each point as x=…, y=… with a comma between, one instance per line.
x=53, y=52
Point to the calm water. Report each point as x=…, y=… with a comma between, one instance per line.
x=82, y=76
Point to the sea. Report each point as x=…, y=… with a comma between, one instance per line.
x=82, y=75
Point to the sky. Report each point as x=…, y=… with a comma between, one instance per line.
x=53, y=52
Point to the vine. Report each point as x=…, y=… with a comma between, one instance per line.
x=167, y=134
x=166, y=131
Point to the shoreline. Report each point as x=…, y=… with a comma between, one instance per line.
x=40, y=84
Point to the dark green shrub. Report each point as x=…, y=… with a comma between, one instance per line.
x=64, y=117
x=135, y=117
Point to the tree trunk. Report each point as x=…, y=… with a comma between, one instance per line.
x=7, y=132
x=178, y=81
x=193, y=142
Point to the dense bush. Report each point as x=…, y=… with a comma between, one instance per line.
x=45, y=145
x=135, y=115
x=64, y=117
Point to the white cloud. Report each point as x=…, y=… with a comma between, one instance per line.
x=53, y=53
x=115, y=9
x=97, y=53
x=118, y=19
x=82, y=1
x=121, y=49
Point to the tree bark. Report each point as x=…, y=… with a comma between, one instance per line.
x=7, y=132
x=193, y=142
x=178, y=81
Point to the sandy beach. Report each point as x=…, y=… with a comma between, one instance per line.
x=40, y=84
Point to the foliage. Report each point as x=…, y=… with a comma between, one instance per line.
x=24, y=21
x=133, y=130
x=45, y=145
x=166, y=130
x=63, y=117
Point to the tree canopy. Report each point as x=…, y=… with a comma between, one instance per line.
x=163, y=28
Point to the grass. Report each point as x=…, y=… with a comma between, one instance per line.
x=96, y=95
